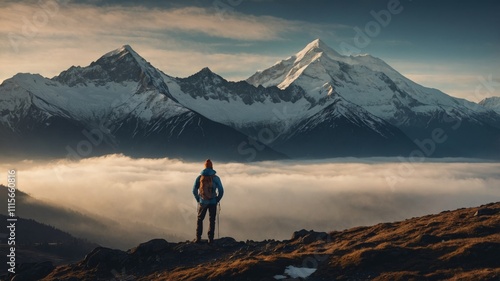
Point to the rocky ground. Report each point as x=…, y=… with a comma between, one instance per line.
x=459, y=245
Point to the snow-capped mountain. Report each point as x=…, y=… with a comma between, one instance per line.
x=375, y=86
x=492, y=103
x=289, y=120
x=317, y=103
x=364, y=80
x=119, y=103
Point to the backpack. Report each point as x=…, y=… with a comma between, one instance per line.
x=206, y=189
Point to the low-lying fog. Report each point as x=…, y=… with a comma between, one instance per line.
x=265, y=200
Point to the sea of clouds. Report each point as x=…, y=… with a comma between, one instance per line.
x=262, y=200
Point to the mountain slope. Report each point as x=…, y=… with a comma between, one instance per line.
x=277, y=117
x=461, y=244
x=378, y=88
x=492, y=103
x=343, y=129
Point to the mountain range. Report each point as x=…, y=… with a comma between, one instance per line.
x=315, y=104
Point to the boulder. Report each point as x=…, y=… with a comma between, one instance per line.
x=485, y=212
x=308, y=237
x=226, y=242
x=105, y=258
x=299, y=234
x=150, y=248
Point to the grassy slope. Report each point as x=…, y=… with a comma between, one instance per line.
x=453, y=245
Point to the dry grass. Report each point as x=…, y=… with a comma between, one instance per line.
x=453, y=245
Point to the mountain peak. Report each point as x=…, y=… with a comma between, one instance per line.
x=205, y=73
x=317, y=46
x=287, y=71
x=119, y=65
x=127, y=47
x=317, y=43
x=123, y=50
x=206, y=70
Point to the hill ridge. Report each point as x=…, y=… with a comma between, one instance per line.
x=460, y=244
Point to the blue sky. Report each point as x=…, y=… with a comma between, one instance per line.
x=450, y=45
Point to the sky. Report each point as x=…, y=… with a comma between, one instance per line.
x=142, y=199
x=450, y=45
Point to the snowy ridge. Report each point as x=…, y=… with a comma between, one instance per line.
x=240, y=105
x=88, y=103
x=492, y=103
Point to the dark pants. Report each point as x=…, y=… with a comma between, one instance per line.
x=202, y=211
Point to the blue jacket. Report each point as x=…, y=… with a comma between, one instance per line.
x=217, y=186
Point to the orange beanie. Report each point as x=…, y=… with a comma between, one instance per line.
x=208, y=164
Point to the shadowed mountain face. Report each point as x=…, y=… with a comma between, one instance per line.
x=461, y=244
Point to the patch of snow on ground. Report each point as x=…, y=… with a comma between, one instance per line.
x=296, y=272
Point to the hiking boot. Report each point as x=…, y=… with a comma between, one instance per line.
x=210, y=241
x=197, y=241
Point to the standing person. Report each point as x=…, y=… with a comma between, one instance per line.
x=207, y=191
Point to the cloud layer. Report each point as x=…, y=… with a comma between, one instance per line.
x=262, y=200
